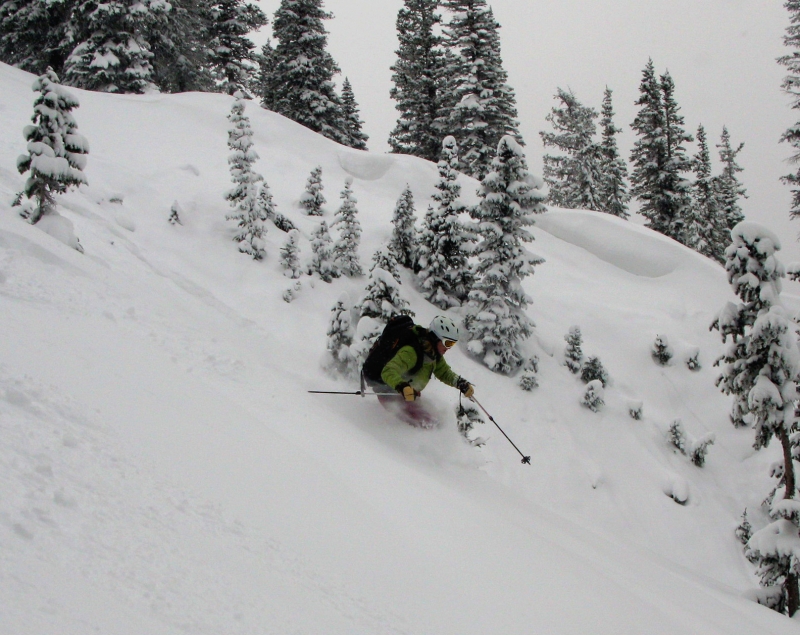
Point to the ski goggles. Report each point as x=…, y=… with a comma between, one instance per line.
x=449, y=343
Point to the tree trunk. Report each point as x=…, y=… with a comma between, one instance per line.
x=792, y=590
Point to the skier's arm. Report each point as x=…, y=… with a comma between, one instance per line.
x=444, y=373
x=396, y=368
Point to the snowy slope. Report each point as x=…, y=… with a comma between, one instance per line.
x=163, y=469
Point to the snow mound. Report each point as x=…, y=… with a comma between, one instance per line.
x=629, y=247
x=365, y=166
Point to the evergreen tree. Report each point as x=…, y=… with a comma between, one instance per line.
x=709, y=227
x=404, y=232
x=727, y=188
x=593, y=370
x=290, y=255
x=264, y=204
x=111, y=54
x=174, y=214
x=791, y=86
x=322, y=261
x=661, y=352
x=418, y=78
x=496, y=322
x=479, y=105
x=243, y=197
x=467, y=415
x=614, y=195
x=56, y=151
x=358, y=138
x=176, y=38
x=382, y=298
x=341, y=359
x=528, y=380
x=573, y=354
x=593, y=396
x=231, y=50
x=265, y=59
x=761, y=372
x=444, y=243
x=659, y=157
x=312, y=199
x=300, y=85
x=34, y=34
x=345, y=250
x=574, y=177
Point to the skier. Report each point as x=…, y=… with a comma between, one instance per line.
x=403, y=360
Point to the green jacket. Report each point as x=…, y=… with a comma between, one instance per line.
x=397, y=369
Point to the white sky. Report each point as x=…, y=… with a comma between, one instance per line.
x=721, y=55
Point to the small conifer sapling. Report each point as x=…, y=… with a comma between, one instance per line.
x=573, y=354
x=312, y=199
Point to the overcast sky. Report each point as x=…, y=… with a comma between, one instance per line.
x=720, y=53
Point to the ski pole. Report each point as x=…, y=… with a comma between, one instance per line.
x=525, y=459
x=359, y=393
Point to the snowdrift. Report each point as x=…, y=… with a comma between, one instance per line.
x=164, y=470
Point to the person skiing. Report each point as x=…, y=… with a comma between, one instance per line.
x=403, y=360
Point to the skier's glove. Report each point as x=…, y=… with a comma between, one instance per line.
x=409, y=394
x=466, y=388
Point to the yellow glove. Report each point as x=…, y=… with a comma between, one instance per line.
x=466, y=388
x=469, y=391
x=409, y=394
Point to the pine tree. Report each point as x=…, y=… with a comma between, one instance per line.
x=263, y=82
x=358, y=138
x=791, y=86
x=312, y=199
x=382, y=298
x=111, y=54
x=593, y=370
x=300, y=85
x=341, y=360
x=34, y=34
x=496, y=322
x=444, y=243
x=761, y=372
x=710, y=228
x=231, y=50
x=574, y=177
x=479, y=105
x=573, y=354
x=727, y=187
x=290, y=255
x=56, y=151
x=243, y=197
x=467, y=415
x=528, y=380
x=659, y=157
x=322, y=261
x=345, y=250
x=418, y=79
x=661, y=351
x=264, y=204
x=174, y=214
x=593, y=396
x=404, y=232
x=614, y=195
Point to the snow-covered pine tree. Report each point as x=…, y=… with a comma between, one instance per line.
x=358, y=138
x=744, y=531
x=262, y=86
x=467, y=415
x=231, y=50
x=404, y=232
x=290, y=255
x=382, y=298
x=710, y=229
x=174, y=214
x=593, y=396
x=528, y=380
x=322, y=262
x=56, y=152
x=676, y=436
x=111, y=54
x=692, y=359
x=592, y=370
x=34, y=34
x=614, y=195
x=791, y=86
x=659, y=157
x=727, y=187
x=574, y=176
x=243, y=197
x=444, y=242
x=496, y=321
x=418, y=77
x=345, y=249
x=479, y=107
x=312, y=199
x=340, y=338
x=661, y=352
x=300, y=85
x=573, y=353
x=265, y=204
x=761, y=371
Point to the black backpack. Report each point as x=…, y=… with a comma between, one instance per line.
x=396, y=334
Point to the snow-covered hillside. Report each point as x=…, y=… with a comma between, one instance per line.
x=164, y=470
